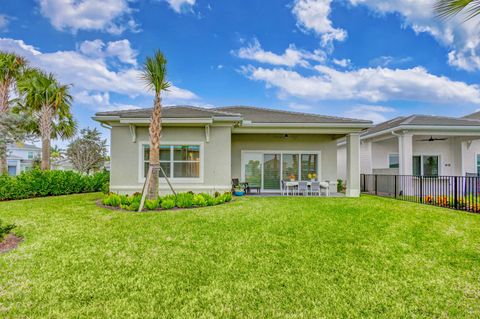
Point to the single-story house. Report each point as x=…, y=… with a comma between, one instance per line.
x=20, y=157
x=419, y=145
x=203, y=149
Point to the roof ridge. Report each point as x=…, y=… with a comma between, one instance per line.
x=291, y=112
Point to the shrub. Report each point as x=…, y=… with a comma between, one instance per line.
x=184, y=200
x=112, y=200
x=209, y=199
x=168, y=203
x=152, y=204
x=5, y=229
x=219, y=200
x=227, y=197
x=199, y=200
x=340, y=185
x=37, y=183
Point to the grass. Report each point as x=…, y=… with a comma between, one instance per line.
x=256, y=257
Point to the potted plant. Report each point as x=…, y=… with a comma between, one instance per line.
x=312, y=176
x=292, y=178
x=238, y=191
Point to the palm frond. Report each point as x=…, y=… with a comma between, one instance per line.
x=445, y=9
x=154, y=73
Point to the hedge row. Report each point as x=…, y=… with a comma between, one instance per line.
x=37, y=183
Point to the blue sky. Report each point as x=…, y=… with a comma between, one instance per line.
x=373, y=59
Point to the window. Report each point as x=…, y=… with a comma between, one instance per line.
x=290, y=166
x=393, y=161
x=426, y=165
x=309, y=166
x=30, y=155
x=177, y=161
x=478, y=164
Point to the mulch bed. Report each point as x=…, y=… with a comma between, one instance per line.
x=100, y=204
x=10, y=242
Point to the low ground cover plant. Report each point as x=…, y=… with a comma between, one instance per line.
x=37, y=183
x=181, y=200
x=5, y=229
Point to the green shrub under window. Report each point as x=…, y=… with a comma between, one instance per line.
x=37, y=183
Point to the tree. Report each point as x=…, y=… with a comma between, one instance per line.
x=56, y=152
x=48, y=102
x=11, y=67
x=87, y=152
x=11, y=131
x=449, y=8
x=154, y=74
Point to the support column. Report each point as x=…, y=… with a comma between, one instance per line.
x=353, y=165
x=405, y=151
x=458, y=147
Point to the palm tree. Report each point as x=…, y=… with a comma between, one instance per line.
x=449, y=8
x=11, y=67
x=154, y=74
x=47, y=102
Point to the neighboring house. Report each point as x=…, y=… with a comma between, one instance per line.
x=20, y=157
x=419, y=145
x=62, y=164
x=203, y=149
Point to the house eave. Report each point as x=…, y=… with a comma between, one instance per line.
x=419, y=128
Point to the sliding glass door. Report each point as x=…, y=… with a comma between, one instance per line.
x=271, y=171
x=252, y=166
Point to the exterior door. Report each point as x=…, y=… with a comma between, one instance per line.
x=252, y=169
x=271, y=171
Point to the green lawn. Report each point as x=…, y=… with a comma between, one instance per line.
x=256, y=257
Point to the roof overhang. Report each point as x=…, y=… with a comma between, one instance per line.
x=471, y=130
x=167, y=121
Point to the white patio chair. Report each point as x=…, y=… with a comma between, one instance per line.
x=325, y=186
x=283, y=189
x=315, y=188
x=302, y=188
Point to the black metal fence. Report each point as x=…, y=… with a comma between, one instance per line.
x=456, y=192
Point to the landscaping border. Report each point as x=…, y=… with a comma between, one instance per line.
x=10, y=242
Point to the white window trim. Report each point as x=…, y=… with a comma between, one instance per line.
x=388, y=160
x=195, y=180
x=475, y=162
x=263, y=152
x=440, y=163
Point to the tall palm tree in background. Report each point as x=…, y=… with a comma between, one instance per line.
x=48, y=102
x=449, y=8
x=154, y=74
x=11, y=67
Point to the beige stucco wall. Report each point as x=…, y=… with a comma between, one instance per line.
x=326, y=144
x=125, y=158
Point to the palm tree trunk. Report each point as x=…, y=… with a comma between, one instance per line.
x=4, y=106
x=46, y=133
x=155, y=130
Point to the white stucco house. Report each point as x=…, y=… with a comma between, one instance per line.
x=419, y=145
x=204, y=149
x=20, y=157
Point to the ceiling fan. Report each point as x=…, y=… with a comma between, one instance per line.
x=432, y=139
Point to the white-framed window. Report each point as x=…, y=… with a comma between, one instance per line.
x=426, y=165
x=478, y=163
x=181, y=162
x=393, y=161
x=30, y=155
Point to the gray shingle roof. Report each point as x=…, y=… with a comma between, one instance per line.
x=264, y=115
x=473, y=116
x=252, y=114
x=422, y=120
x=180, y=111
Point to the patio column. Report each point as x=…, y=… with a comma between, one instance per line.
x=458, y=147
x=405, y=153
x=353, y=165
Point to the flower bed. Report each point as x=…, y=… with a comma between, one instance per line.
x=181, y=200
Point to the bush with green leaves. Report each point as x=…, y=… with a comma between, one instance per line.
x=199, y=200
x=113, y=200
x=184, y=200
x=209, y=199
x=5, y=229
x=37, y=183
x=152, y=204
x=168, y=203
x=227, y=197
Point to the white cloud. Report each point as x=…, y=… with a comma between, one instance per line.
x=180, y=6
x=314, y=15
x=90, y=72
x=112, y=16
x=98, y=101
x=369, y=84
x=4, y=21
x=374, y=113
x=461, y=37
x=120, y=49
x=292, y=56
x=387, y=60
x=343, y=62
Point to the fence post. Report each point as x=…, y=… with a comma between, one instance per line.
x=455, y=191
x=376, y=192
x=395, y=188
x=421, y=189
x=364, y=183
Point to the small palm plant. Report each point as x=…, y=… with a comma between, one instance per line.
x=154, y=75
x=449, y=8
x=47, y=102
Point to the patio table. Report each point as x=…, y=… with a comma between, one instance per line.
x=292, y=185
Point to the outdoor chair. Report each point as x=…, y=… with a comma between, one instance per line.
x=302, y=188
x=283, y=188
x=315, y=188
x=236, y=183
x=325, y=186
